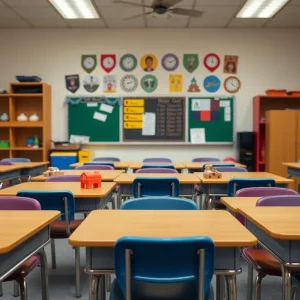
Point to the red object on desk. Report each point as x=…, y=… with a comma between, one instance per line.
x=90, y=180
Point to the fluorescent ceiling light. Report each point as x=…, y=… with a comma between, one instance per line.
x=75, y=9
x=261, y=8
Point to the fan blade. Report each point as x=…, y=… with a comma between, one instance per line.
x=186, y=12
x=131, y=3
x=171, y=2
x=137, y=16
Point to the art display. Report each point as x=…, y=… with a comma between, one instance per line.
x=190, y=62
x=128, y=62
x=91, y=83
x=205, y=110
x=175, y=83
x=108, y=62
x=149, y=62
x=193, y=85
x=89, y=62
x=149, y=83
x=211, y=84
x=72, y=83
x=170, y=62
x=231, y=64
x=211, y=62
x=110, y=83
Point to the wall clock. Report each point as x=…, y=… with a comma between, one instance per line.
x=88, y=62
x=211, y=62
x=129, y=83
x=212, y=84
x=128, y=62
x=149, y=83
x=170, y=62
x=232, y=84
x=108, y=62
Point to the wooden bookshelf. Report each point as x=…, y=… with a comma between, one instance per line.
x=17, y=132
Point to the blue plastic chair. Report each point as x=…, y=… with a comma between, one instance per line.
x=17, y=159
x=161, y=187
x=159, y=203
x=163, y=268
x=106, y=159
x=218, y=165
x=158, y=165
x=205, y=159
x=95, y=163
x=158, y=159
x=235, y=184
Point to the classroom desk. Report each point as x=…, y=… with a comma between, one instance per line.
x=197, y=166
x=218, y=187
x=187, y=182
x=86, y=199
x=235, y=203
x=278, y=230
x=98, y=237
x=293, y=169
x=22, y=234
x=107, y=175
x=138, y=165
x=118, y=164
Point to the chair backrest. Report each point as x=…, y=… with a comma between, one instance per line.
x=157, y=159
x=279, y=200
x=64, y=178
x=236, y=184
x=95, y=167
x=95, y=163
x=18, y=203
x=106, y=159
x=205, y=159
x=158, y=165
x=224, y=165
x=231, y=169
x=264, y=191
x=17, y=159
x=164, y=268
x=149, y=186
x=54, y=200
x=156, y=170
x=6, y=163
x=159, y=203
x=229, y=158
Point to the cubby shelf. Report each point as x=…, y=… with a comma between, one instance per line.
x=21, y=124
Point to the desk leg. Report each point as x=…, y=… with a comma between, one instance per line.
x=287, y=283
x=44, y=274
x=93, y=287
x=231, y=287
x=101, y=288
x=119, y=198
x=220, y=287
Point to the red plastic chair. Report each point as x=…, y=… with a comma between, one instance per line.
x=229, y=158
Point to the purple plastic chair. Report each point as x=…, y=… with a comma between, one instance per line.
x=17, y=159
x=260, y=259
x=6, y=163
x=205, y=159
x=157, y=170
x=106, y=159
x=158, y=159
x=231, y=169
x=20, y=274
x=94, y=167
x=64, y=178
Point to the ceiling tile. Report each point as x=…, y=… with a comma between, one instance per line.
x=287, y=17
x=27, y=3
x=37, y=12
x=165, y=21
x=117, y=23
x=86, y=23
x=185, y=3
x=220, y=2
x=47, y=22
x=246, y=23
x=114, y=13
x=7, y=13
x=295, y=2
x=15, y=22
x=208, y=22
x=215, y=12
x=2, y=4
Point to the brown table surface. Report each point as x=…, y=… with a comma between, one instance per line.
x=295, y=165
x=103, y=228
x=280, y=222
x=235, y=203
x=73, y=187
x=107, y=175
x=16, y=226
x=128, y=178
x=138, y=165
x=226, y=176
x=18, y=166
x=117, y=164
x=199, y=165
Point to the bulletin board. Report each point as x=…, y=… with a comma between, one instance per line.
x=154, y=119
x=97, y=120
x=210, y=120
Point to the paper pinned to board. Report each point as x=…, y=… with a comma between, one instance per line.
x=92, y=104
x=106, y=108
x=100, y=117
x=149, y=120
x=197, y=135
x=79, y=139
x=227, y=114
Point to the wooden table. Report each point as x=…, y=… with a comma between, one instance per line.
x=107, y=175
x=197, y=166
x=218, y=187
x=86, y=199
x=235, y=203
x=278, y=230
x=101, y=229
x=118, y=164
x=22, y=234
x=138, y=165
x=187, y=182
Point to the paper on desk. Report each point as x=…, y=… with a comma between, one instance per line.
x=99, y=116
x=79, y=139
x=107, y=108
x=149, y=124
x=197, y=135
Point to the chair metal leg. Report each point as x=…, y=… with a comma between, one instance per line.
x=294, y=294
x=107, y=282
x=257, y=284
x=113, y=201
x=77, y=271
x=53, y=258
x=1, y=289
x=16, y=289
x=93, y=287
x=44, y=275
x=101, y=287
x=287, y=283
x=220, y=287
x=231, y=287
x=250, y=283
x=23, y=289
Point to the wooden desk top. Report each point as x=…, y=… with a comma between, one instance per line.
x=107, y=175
x=128, y=178
x=138, y=165
x=73, y=187
x=279, y=222
x=235, y=203
x=17, y=226
x=117, y=164
x=295, y=165
x=97, y=230
x=198, y=165
x=18, y=166
x=226, y=176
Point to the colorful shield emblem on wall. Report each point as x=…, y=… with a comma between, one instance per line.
x=108, y=62
x=190, y=62
x=89, y=62
x=72, y=83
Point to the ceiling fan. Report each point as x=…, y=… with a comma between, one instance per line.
x=162, y=7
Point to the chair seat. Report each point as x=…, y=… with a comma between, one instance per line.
x=116, y=293
x=197, y=188
x=117, y=188
x=262, y=261
x=24, y=269
x=58, y=228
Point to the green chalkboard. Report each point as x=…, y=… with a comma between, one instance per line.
x=97, y=119
x=214, y=115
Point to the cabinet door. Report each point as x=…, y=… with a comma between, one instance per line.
x=281, y=142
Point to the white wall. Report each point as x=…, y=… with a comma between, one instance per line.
x=268, y=59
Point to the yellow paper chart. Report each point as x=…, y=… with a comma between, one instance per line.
x=133, y=110
x=135, y=117
x=176, y=83
x=134, y=102
x=133, y=125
